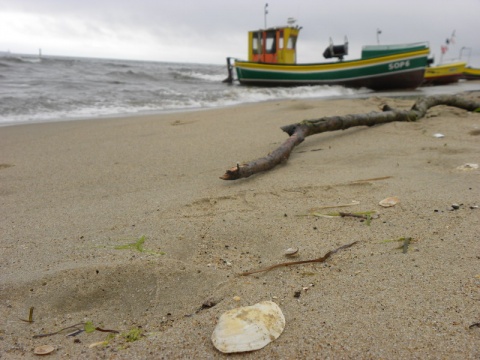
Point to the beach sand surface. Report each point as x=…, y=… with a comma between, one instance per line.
x=79, y=197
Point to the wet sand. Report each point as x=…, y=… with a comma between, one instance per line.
x=75, y=195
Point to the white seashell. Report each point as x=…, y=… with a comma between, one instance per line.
x=389, y=202
x=438, y=135
x=291, y=251
x=248, y=328
x=43, y=350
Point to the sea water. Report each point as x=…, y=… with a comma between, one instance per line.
x=40, y=89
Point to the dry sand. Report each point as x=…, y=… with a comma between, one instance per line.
x=72, y=191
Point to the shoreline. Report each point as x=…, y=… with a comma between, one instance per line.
x=76, y=195
x=462, y=87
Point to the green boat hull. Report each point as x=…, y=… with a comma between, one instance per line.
x=402, y=70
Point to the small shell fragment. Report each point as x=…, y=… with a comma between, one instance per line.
x=248, y=328
x=468, y=166
x=438, y=135
x=43, y=350
x=98, y=343
x=389, y=202
x=291, y=251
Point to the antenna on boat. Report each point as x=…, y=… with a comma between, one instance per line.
x=378, y=35
x=469, y=53
x=265, y=12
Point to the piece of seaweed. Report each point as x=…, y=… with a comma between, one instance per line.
x=406, y=240
x=30, y=316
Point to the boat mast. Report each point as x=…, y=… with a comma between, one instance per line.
x=265, y=12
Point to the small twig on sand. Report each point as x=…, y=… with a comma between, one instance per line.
x=78, y=328
x=74, y=327
x=319, y=260
x=360, y=216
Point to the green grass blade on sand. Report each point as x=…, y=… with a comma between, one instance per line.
x=138, y=246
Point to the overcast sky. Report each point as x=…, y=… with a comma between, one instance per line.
x=207, y=31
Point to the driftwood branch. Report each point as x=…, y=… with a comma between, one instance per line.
x=298, y=132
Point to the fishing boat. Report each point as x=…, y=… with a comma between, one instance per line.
x=444, y=73
x=272, y=62
x=470, y=73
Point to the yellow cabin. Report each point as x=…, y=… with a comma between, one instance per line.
x=274, y=45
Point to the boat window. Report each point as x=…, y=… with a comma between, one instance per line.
x=292, y=40
x=271, y=46
x=257, y=40
x=280, y=40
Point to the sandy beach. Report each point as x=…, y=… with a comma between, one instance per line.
x=79, y=197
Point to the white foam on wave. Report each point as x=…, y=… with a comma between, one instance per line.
x=240, y=94
x=203, y=76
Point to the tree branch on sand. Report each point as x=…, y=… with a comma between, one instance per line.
x=299, y=131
